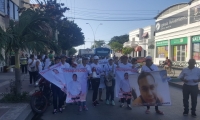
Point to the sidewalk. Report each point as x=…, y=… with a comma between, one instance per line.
x=14, y=111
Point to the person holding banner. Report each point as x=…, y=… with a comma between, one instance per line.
x=57, y=92
x=110, y=81
x=191, y=77
x=124, y=63
x=126, y=91
x=149, y=67
x=96, y=73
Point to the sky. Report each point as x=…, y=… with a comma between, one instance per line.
x=117, y=17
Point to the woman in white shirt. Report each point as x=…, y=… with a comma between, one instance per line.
x=32, y=69
x=96, y=73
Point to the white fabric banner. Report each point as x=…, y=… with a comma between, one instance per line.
x=76, y=86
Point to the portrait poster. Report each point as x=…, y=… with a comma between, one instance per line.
x=119, y=76
x=150, y=89
x=76, y=80
x=54, y=74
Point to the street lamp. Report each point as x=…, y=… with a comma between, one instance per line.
x=94, y=33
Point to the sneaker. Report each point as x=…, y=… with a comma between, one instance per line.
x=122, y=105
x=113, y=102
x=54, y=111
x=80, y=109
x=107, y=102
x=94, y=104
x=159, y=112
x=60, y=110
x=97, y=103
x=129, y=107
x=194, y=114
x=185, y=113
x=85, y=108
x=147, y=111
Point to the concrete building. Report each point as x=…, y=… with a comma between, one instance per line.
x=142, y=41
x=178, y=32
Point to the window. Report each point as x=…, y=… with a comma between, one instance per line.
x=162, y=52
x=139, y=54
x=11, y=10
x=196, y=51
x=16, y=12
x=2, y=6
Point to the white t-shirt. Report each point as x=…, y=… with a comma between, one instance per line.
x=65, y=65
x=125, y=85
x=147, y=69
x=74, y=88
x=32, y=67
x=136, y=65
x=47, y=63
x=39, y=66
x=87, y=67
x=190, y=75
x=127, y=65
x=98, y=67
x=108, y=68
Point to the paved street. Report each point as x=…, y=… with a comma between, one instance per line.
x=105, y=112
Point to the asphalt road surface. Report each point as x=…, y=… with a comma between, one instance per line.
x=108, y=112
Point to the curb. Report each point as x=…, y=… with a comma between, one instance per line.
x=26, y=112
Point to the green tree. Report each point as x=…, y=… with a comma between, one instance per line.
x=116, y=46
x=127, y=50
x=70, y=35
x=120, y=39
x=98, y=43
x=72, y=51
x=31, y=32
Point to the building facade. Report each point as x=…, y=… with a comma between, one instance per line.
x=142, y=41
x=178, y=33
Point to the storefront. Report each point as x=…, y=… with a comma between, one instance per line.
x=196, y=47
x=162, y=49
x=179, y=49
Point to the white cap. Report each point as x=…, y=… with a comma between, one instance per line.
x=96, y=57
x=148, y=58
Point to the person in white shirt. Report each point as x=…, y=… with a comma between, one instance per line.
x=124, y=63
x=63, y=62
x=32, y=69
x=135, y=65
x=47, y=62
x=126, y=90
x=191, y=78
x=96, y=73
x=149, y=67
x=39, y=66
x=110, y=81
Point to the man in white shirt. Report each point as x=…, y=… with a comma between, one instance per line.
x=32, y=69
x=191, y=77
x=63, y=62
x=124, y=63
x=96, y=73
x=149, y=67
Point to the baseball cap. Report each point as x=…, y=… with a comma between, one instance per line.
x=148, y=58
x=96, y=57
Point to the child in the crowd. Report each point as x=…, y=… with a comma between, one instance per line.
x=110, y=84
x=126, y=91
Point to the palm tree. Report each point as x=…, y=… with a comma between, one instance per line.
x=31, y=32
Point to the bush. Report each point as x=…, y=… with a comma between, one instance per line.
x=16, y=98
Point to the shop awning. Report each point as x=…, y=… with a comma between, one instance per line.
x=138, y=48
x=145, y=35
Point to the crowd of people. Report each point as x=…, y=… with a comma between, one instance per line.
x=102, y=76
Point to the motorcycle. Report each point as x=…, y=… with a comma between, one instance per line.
x=40, y=99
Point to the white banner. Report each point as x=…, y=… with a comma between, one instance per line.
x=146, y=89
x=120, y=76
x=55, y=75
x=76, y=80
